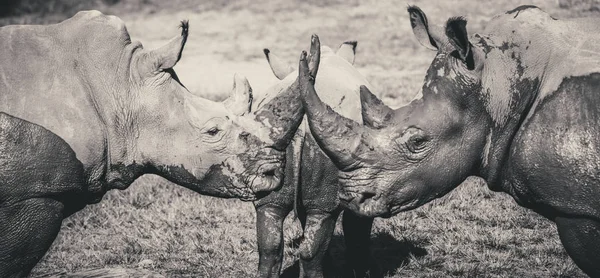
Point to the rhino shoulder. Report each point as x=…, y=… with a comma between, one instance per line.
x=96, y=26
x=34, y=162
x=97, y=17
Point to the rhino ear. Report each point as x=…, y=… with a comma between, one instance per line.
x=347, y=51
x=420, y=27
x=456, y=30
x=169, y=54
x=374, y=112
x=240, y=100
x=278, y=66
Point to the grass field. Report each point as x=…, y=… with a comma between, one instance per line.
x=155, y=225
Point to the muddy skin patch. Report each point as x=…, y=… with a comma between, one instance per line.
x=482, y=42
x=215, y=183
x=121, y=176
x=521, y=8
x=506, y=46
x=283, y=116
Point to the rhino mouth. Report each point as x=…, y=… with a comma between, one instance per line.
x=366, y=203
x=369, y=203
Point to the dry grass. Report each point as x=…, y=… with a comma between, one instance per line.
x=155, y=225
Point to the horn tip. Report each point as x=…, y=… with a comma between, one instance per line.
x=364, y=88
x=240, y=77
x=366, y=95
x=314, y=41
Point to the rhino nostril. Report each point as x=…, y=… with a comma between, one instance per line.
x=365, y=196
x=269, y=173
x=261, y=194
x=244, y=135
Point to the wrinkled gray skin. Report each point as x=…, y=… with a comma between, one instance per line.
x=84, y=110
x=517, y=106
x=310, y=181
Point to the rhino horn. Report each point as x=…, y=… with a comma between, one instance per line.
x=335, y=134
x=374, y=112
x=240, y=100
x=314, y=58
x=291, y=117
x=169, y=54
x=347, y=51
x=280, y=69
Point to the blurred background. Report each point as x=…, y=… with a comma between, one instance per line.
x=155, y=225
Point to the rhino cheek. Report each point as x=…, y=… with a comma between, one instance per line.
x=261, y=130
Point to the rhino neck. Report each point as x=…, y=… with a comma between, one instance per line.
x=518, y=54
x=501, y=132
x=116, y=101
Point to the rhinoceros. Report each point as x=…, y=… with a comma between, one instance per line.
x=310, y=182
x=85, y=110
x=516, y=106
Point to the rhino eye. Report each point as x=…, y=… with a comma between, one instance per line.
x=416, y=143
x=213, y=131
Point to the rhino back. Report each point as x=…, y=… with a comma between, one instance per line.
x=58, y=76
x=338, y=85
x=554, y=160
x=36, y=163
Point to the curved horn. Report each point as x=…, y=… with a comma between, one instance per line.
x=374, y=112
x=314, y=57
x=337, y=136
x=285, y=112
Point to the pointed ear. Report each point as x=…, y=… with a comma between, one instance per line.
x=420, y=27
x=169, y=54
x=456, y=31
x=374, y=112
x=240, y=100
x=280, y=69
x=347, y=51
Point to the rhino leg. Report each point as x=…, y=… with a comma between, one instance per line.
x=319, y=202
x=313, y=248
x=271, y=212
x=581, y=239
x=269, y=231
x=357, y=236
x=27, y=229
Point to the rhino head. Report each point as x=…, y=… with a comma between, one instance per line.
x=460, y=123
x=223, y=149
